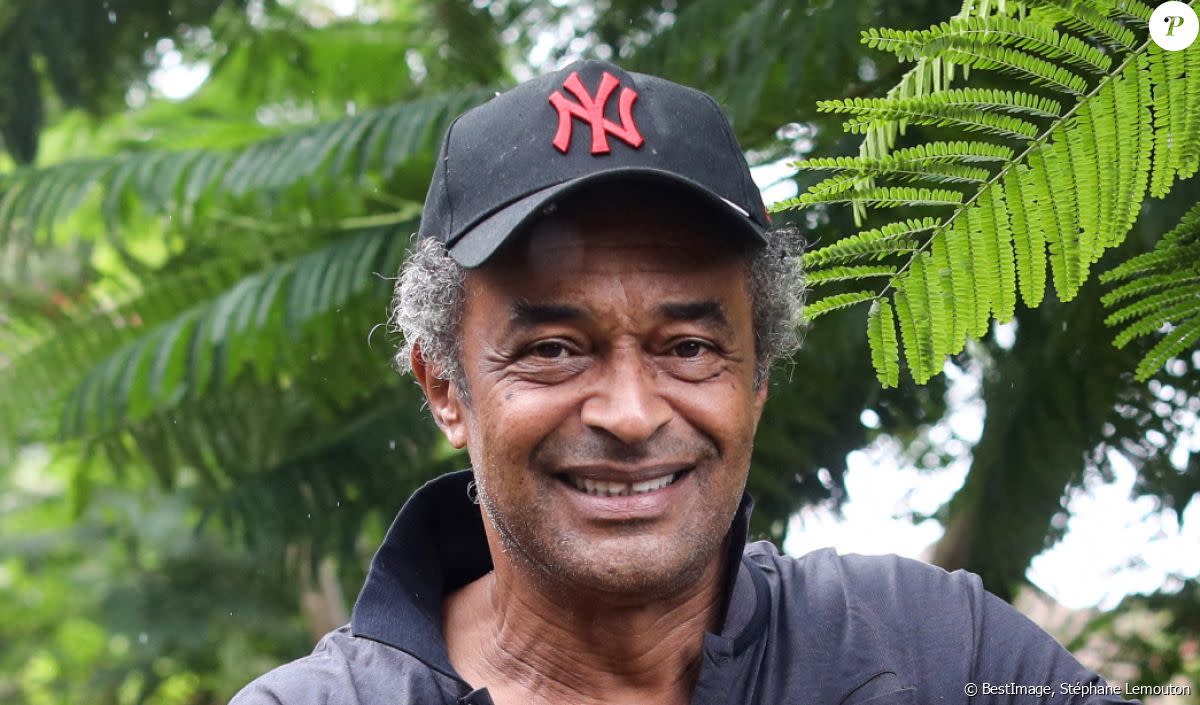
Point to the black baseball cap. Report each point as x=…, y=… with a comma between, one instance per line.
x=503, y=163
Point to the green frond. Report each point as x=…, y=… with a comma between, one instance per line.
x=928, y=110
x=1147, y=284
x=836, y=302
x=1155, y=321
x=885, y=349
x=1083, y=169
x=49, y=358
x=950, y=340
x=1020, y=64
x=923, y=155
x=841, y=183
x=1071, y=195
x=1173, y=343
x=1097, y=117
x=254, y=324
x=1005, y=301
x=1090, y=19
x=996, y=30
x=958, y=251
x=1160, y=295
x=914, y=326
x=1136, y=104
x=985, y=265
x=1159, y=259
x=1174, y=110
x=990, y=99
x=375, y=142
x=1029, y=243
x=841, y=274
x=880, y=197
x=1154, y=306
x=1133, y=9
x=1190, y=142
x=890, y=239
x=895, y=167
x=941, y=324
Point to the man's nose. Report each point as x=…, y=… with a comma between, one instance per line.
x=627, y=404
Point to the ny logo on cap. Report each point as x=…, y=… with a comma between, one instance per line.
x=591, y=110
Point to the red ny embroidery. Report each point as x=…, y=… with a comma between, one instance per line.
x=591, y=110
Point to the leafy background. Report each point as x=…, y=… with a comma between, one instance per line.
x=201, y=441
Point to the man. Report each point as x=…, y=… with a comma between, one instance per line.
x=591, y=308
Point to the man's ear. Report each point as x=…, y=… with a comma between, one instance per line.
x=445, y=400
x=760, y=400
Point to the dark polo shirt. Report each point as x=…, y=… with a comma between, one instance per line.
x=823, y=629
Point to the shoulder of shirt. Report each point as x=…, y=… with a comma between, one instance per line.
x=882, y=580
x=344, y=669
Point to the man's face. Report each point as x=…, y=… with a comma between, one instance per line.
x=610, y=346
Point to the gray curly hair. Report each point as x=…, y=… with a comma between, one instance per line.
x=427, y=305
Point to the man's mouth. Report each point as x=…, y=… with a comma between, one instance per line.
x=608, y=488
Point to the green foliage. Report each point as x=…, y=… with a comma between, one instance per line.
x=1160, y=296
x=1050, y=188
x=87, y=52
x=344, y=152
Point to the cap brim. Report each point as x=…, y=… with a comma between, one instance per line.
x=485, y=237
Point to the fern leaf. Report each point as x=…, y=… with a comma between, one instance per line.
x=1174, y=343
x=1147, y=284
x=1134, y=101
x=209, y=344
x=166, y=181
x=1170, y=258
x=1018, y=63
x=1155, y=321
x=1171, y=113
x=1190, y=142
x=985, y=268
x=917, y=156
x=954, y=337
x=958, y=251
x=892, y=166
x=1154, y=306
x=1079, y=149
x=1029, y=244
x=841, y=274
x=1133, y=9
x=929, y=110
x=995, y=30
x=1083, y=16
x=880, y=197
x=837, y=302
x=841, y=183
x=1102, y=122
x=911, y=328
x=885, y=351
x=1005, y=302
x=878, y=242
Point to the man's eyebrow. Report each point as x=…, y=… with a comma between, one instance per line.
x=707, y=311
x=526, y=314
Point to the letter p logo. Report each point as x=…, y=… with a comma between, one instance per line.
x=1173, y=25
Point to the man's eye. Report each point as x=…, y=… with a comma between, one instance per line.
x=690, y=348
x=549, y=350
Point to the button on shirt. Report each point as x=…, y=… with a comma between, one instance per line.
x=822, y=629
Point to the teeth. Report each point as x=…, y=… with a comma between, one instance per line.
x=603, y=488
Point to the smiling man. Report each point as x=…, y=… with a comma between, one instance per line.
x=592, y=306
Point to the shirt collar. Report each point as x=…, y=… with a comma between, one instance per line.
x=437, y=544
